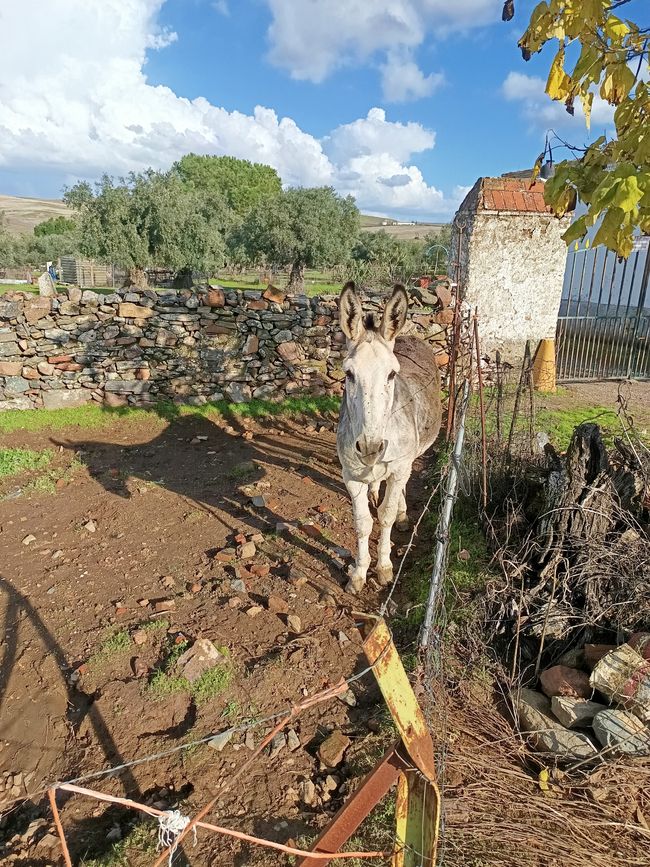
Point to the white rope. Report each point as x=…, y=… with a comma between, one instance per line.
x=170, y=825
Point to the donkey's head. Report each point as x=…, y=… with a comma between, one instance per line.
x=370, y=368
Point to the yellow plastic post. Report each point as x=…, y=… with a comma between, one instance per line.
x=544, y=367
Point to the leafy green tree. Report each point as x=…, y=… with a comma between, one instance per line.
x=381, y=259
x=598, y=52
x=55, y=226
x=150, y=219
x=300, y=227
x=241, y=183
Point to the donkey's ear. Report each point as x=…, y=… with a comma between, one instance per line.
x=395, y=312
x=350, y=312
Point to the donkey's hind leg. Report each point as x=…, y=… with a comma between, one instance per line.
x=402, y=523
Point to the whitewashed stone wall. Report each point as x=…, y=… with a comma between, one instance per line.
x=512, y=268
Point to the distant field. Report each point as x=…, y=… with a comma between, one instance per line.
x=374, y=224
x=23, y=214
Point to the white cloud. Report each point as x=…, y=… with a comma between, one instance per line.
x=312, y=38
x=221, y=6
x=528, y=90
x=87, y=108
x=403, y=80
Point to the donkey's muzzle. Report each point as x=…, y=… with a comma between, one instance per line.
x=370, y=451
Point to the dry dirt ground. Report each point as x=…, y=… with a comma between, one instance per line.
x=143, y=517
x=141, y=509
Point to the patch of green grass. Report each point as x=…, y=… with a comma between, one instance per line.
x=45, y=483
x=113, y=644
x=559, y=424
x=322, y=288
x=161, y=625
x=14, y=461
x=95, y=416
x=165, y=681
x=244, y=470
x=17, y=287
x=142, y=839
x=232, y=710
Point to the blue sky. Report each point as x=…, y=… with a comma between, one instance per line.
x=402, y=103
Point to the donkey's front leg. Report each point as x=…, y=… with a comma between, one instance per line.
x=387, y=514
x=363, y=526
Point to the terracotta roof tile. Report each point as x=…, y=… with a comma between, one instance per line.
x=512, y=194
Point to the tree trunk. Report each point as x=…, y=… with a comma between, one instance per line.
x=137, y=278
x=183, y=279
x=297, y=278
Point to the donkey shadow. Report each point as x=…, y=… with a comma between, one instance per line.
x=206, y=463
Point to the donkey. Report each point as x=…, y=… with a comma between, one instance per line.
x=390, y=414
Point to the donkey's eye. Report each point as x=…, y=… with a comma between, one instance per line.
x=349, y=376
x=392, y=375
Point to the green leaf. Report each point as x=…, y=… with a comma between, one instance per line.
x=577, y=230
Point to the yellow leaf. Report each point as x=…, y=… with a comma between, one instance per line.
x=615, y=28
x=577, y=247
x=587, y=101
x=558, y=85
x=543, y=780
x=617, y=84
x=587, y=244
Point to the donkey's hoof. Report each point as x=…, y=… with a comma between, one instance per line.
x=402, y=523
x=384, y=575
x=357, y=580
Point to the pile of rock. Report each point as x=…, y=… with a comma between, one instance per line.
x=190, y=346
x=595, y=701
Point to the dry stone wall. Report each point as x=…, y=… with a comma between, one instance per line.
x=189, y=346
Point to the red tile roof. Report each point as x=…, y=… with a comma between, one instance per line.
x=506, y=194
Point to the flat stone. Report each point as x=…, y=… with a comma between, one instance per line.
x=545, y=733
x=308, y=794
x=11, y=368
x=278, y=744
x=332, y=750
x=128, y=310
x=623, y=675
x=7, y=349
x=218, y=742
x=254, y=610
x=575, y=712
x=293, y=741
x=199, y=658
x=277, y=605
x=273, y=294
x=129, y=386
x=294, y=623
x=623, y=732
x=246, y=551
x=64, y=398
x=562, y=680
x=216, y=297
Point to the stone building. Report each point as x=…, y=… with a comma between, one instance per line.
x=512, y=260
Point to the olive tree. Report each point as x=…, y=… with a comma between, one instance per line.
x=150, y=219
x=301, y=228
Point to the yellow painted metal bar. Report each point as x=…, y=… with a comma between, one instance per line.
x=418, y=796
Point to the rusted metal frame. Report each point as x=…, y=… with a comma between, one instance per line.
x=375, y=786
x=520, y=388
x=416, y=836
x=479, y=374
x=499, y=408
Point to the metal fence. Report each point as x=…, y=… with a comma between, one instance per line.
x=603, y=329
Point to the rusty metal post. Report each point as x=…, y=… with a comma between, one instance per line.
x=479, y=374
x=375, y=786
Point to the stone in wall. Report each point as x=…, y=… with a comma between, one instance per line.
x=138, y=348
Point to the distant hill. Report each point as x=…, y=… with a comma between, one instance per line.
x=23, y=214
x=399, y=229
